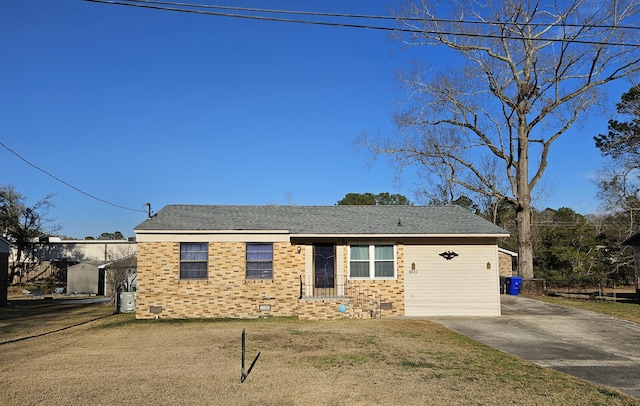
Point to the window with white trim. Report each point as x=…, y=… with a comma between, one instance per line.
x=372, y=261
x=193, y=260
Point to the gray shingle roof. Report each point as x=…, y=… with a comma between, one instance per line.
x=347, y=220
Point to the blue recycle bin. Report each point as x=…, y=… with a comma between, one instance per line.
x=513, y=285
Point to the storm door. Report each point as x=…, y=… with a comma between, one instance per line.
x=324, y=267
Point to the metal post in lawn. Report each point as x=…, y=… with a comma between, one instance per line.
x=243, y=374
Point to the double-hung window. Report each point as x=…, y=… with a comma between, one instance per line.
x=193, y=260
x=259, y=261
x=372, y=261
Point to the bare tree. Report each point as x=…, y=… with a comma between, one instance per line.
x=525, y=72
x=120, y=271
x=22, y=224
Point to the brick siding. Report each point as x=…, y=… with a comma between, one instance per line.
x=227, y=293
x=505, y=264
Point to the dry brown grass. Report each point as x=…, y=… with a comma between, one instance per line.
x=33, y=317
x=117, y=360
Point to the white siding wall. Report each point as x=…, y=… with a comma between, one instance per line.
x=462, y=286
x=90, y=251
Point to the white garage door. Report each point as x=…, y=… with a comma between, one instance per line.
x=464, y=285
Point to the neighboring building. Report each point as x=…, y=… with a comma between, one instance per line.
x=317, y=262
x=506, y=258
x=94, y=279
x=120, y=274
x=52, y=256
x=75, y=251
x=634, y=241
x=85, y=279
x=5, y=249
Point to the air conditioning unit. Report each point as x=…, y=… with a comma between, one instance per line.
x=126, y=302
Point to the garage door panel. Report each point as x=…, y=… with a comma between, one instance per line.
x=460, y=286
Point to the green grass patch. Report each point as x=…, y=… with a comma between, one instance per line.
x=624, y=311
x=311, y=333
x=339, y=361
x=419, y=364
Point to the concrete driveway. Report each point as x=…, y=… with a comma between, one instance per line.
x=588, y=345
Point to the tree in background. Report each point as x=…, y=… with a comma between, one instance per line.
x=618, y=181
x=22, y=224
x=107, y=236
x=580, y=251
x=502, y=214
x=623, y=137
x=111, y=236
x=566, y=249
x=369, y=199
x=617, y=260
x=528, y=70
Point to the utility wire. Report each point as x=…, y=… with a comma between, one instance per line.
x=149, y=5
x=262, y=10
x=372, y=17
x=67, y=183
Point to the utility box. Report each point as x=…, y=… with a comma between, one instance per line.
x=126, y=302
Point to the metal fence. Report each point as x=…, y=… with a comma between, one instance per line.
x=361, y=297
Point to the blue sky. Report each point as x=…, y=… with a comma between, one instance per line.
x=135, y=106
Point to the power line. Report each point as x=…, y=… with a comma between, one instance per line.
x=373, y=17
x=250, y=17
x=67, y=183
x=262, y=10
x=160, y=5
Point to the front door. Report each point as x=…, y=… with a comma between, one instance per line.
x=324, y=266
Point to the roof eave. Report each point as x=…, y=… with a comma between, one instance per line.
x=506, y=251
x=190, y=231
x=327, y=235
x=633, y=240
x=398, y=235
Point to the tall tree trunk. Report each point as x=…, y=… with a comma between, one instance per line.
x=523, y=209
x=525, y=243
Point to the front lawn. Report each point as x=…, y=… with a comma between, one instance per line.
x=119, y=360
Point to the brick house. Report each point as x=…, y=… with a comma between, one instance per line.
x=505, y=261
x=316, y=262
